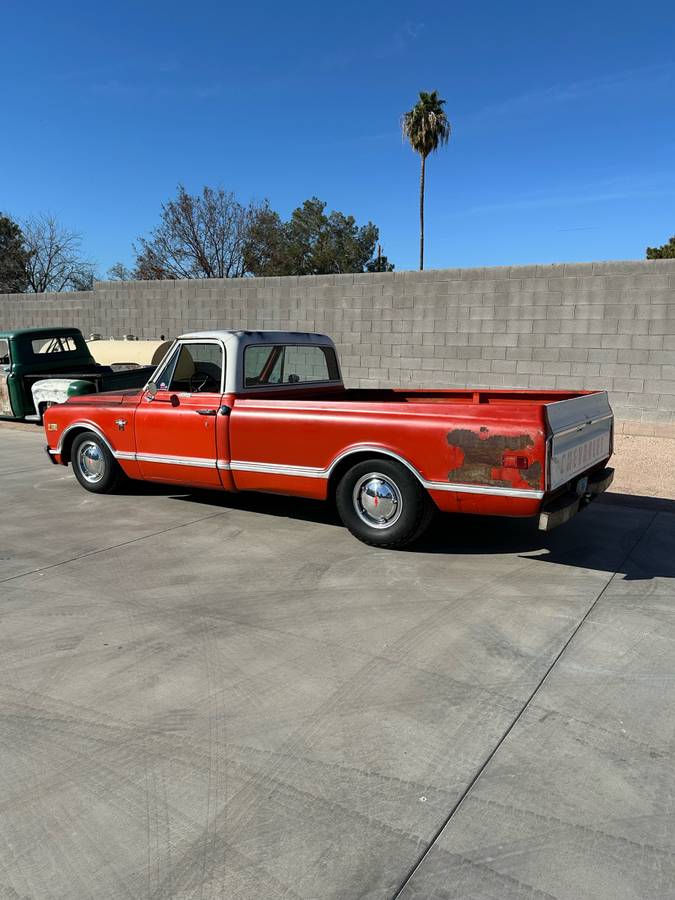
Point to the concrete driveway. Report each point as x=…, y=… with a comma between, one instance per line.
x=205, y=696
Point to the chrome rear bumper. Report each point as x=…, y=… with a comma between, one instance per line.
x=563, y=507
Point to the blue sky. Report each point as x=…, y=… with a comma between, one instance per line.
x=563, y=145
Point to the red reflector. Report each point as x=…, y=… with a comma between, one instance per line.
x=511, y=461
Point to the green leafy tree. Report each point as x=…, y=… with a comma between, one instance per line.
x=13, y=257
x=426, y=128
x=266, y=251
x=666, y=251
x=310, y=243
x=379, y=263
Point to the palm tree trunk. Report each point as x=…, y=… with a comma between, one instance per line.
x=424, y=159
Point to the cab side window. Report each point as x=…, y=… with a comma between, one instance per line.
x=4, y=352
x=193, y=369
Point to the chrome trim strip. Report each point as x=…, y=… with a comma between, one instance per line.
x=311, y=472
x=164, y=458
x=361, y=448
x=307, y=471
x=274, y=469
x=88, y=426
x=197, y=461
x=460, y=488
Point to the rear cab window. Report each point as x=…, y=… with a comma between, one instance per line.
x=57, y=346
x=268, y=365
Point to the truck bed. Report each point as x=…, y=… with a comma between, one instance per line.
x=104, y=378
x=465, y=444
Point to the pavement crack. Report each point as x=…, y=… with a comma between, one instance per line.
x=143, y=537
x=486, y=762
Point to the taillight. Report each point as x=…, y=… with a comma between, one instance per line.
x=512, y=461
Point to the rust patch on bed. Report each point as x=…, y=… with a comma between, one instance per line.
x=477, y=458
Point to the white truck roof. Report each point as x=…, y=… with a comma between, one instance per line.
x=235, y=342
x=260, y=337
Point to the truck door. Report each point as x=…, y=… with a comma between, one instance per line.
x=181, y=435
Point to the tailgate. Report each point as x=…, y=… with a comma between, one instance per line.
x=580, y=432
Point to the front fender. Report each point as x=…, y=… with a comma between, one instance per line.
x=58, y=390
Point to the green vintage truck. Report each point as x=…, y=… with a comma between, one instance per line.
x=59, y=362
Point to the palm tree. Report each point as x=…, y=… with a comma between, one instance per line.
x=426, y=127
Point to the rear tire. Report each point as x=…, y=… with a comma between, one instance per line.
x=383, y=504
x=94, y=466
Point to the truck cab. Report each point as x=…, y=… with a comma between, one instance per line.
x=27, y=355
x=41, y=366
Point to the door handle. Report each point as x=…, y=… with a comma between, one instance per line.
x=206, y=412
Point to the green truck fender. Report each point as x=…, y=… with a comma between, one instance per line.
x=80, y=386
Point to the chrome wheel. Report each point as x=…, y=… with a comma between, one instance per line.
x=377, y=500
x=90, y=462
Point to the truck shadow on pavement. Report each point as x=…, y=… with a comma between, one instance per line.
x=621, y=533
x=607, y=535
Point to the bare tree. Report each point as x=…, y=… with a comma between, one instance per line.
x=120, y=272
x=199, y=236
x=55, y=261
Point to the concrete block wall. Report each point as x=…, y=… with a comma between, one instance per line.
x=592, y=325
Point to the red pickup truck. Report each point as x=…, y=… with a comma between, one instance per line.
x=267, y=411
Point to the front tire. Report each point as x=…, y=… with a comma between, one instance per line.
x=94, y=466
x=383, y=504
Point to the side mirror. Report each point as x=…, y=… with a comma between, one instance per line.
x=151, y=393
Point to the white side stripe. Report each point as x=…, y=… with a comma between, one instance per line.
x=309, y=472
x=238, y=465
x=459, y=488
x=198, y=461
x=273, y=469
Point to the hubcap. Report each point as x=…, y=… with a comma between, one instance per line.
x=91, y=462
x=377, y=500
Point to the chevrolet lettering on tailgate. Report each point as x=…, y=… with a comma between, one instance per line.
x=570, y=462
